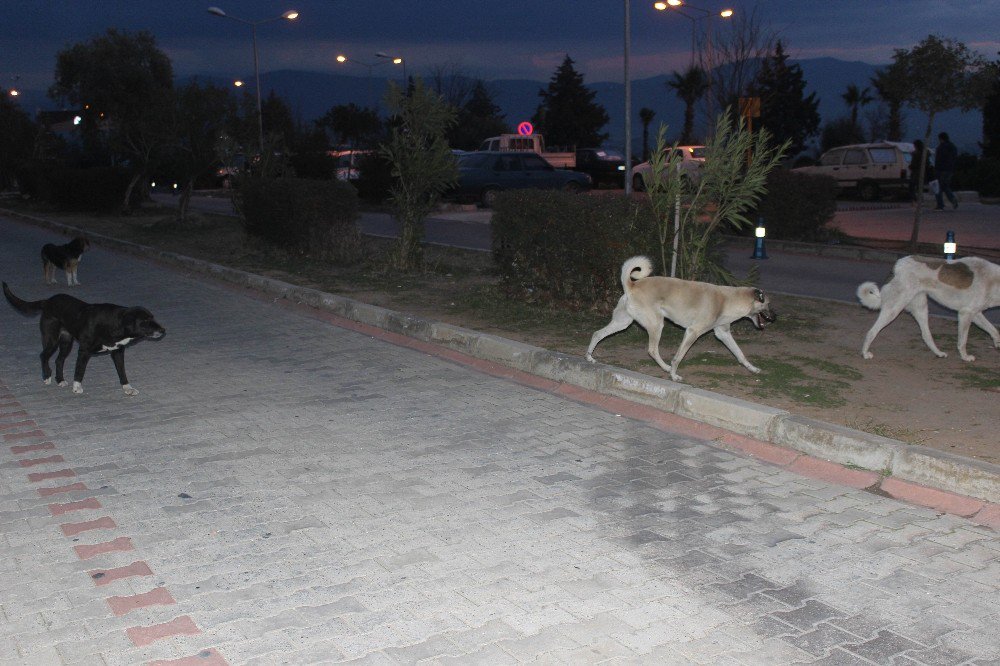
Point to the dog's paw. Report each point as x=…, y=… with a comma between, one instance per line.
x=968, y=358
x=591, y=358
x=77, y=387
x=47, y=381
x=675, y=377
x=129, y=390
x=63, y=383
x=941, y=354
x=867, y=355
x=754, y=369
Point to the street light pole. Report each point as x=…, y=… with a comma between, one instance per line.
x=371, y=91
x=628, y=100
x=290, y=15
x=396, y=60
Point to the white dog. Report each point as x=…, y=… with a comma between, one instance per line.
x=698, y=307
x=968, y=286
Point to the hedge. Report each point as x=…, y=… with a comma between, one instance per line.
x=798, y=206
x=89, y=189
x=558, y=246
x=314, y=217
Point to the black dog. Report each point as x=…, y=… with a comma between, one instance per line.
x=98, y=327
x=65, y=257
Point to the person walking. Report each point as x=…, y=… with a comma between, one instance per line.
x=944, y=165
x=919, y=155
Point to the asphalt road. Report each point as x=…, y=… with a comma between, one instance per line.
x=288, y=490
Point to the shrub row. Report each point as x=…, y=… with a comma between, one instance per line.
x=98, y=189
x=317, y=218
x=557, y=246
x=797, y=206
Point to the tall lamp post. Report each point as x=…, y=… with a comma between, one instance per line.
x=341, y=58
x=396, y=60
x=628, y=99
x=679, y=6
x=290, y=15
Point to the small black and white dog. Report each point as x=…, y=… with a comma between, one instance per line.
x=97, y=327
x=65, y=257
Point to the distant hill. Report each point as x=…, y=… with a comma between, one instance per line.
x=312, y=94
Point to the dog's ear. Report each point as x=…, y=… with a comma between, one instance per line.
x=759, y=295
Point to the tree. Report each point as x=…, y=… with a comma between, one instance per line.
x=855, y=98
x=351, y=125
x=991, y=116
x=888, y=86
x=201, y=115
x=423, y=167
x=839, y=132
x=17, y=138
x=124, y=84
x=478, y=119
x=785, y=111
x=567, y=114
x=690, y=87
x=735, y=57
x=939, y=74
x=645, y=117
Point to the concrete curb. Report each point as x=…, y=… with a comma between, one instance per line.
x=891, y=459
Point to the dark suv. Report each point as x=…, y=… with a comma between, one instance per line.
x=602, y=165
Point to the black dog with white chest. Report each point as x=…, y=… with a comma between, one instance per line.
x=65, y=257
x=97, y=327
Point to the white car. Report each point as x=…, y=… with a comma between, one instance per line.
x=870, y=168
x=691, y=161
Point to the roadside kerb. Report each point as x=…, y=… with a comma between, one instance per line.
x=835, y=443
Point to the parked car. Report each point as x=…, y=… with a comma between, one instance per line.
x=348, y=163
x=692, y=159
x=869, y=168
x=482, y=174
x=602, y=165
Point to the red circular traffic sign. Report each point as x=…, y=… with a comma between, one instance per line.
x=525, y=128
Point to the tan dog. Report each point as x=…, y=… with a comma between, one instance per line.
x=968, y=286
x=698, y=307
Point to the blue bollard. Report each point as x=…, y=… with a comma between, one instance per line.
x=759, y=252
x=950, y=246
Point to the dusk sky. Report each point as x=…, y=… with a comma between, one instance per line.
x=511, y=39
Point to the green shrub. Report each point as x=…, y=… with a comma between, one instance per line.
x=557, y=246
x=90, y=189
x=314, y=217
x=313, y=165
x=980, y=176
x=374, y=177
x=797, y=206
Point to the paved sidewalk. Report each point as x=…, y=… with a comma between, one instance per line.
x=288, y=491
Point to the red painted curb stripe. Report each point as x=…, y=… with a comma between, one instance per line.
x=87, y=551
x=72, y=529
x=824, y=470
x=34, y=477
x=46, y=492
x=107, y=576
x=181, y=626
x=989, y=516
x=209, y=657
x=931, y=497
x=31, y=462
x=59, y=509
x=7, y=415
x=18, y=425
x=28, y=448
x=155, y=597
x=15, y=436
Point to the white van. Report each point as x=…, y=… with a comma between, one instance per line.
x=870, y=168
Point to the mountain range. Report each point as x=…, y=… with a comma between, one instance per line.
x=311, y=94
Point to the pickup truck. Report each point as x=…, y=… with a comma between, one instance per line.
x=532, y=143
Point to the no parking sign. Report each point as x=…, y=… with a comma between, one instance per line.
x=525, y=128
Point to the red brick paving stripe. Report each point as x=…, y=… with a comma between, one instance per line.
x=209, y=657
x=72, y=529
x=941, y=500
x=159, y=596
x=87, y=551
x=181, y=626
x=16, y=436
x=18, y=425
x=833, y=472
x=55, y=490
x=7, y=415
x=35, y=477
x=59, y=509
x=776, y=455
x=106, y=576
x=989, y=515
x=31, y=462
x=28, y=448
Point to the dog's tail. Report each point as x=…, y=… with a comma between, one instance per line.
x=870, y=296
x=24, y=307
x=635, y=268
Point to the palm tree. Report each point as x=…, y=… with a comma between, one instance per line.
x=855, y=98
x=690, y=87
x=889, y=89
x=646, y=117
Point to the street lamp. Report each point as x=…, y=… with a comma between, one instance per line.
x=679, y=6
x=341, y=58
x=290, y=15
x=396, y=60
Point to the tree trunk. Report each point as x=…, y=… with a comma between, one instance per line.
x=182, y=206
x=688, y=123
x=410, y=251
x=128, y=191
x=918, y=212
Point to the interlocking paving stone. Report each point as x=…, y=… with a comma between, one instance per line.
x=308, y=494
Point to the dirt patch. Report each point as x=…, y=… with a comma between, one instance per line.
x=810, y=358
